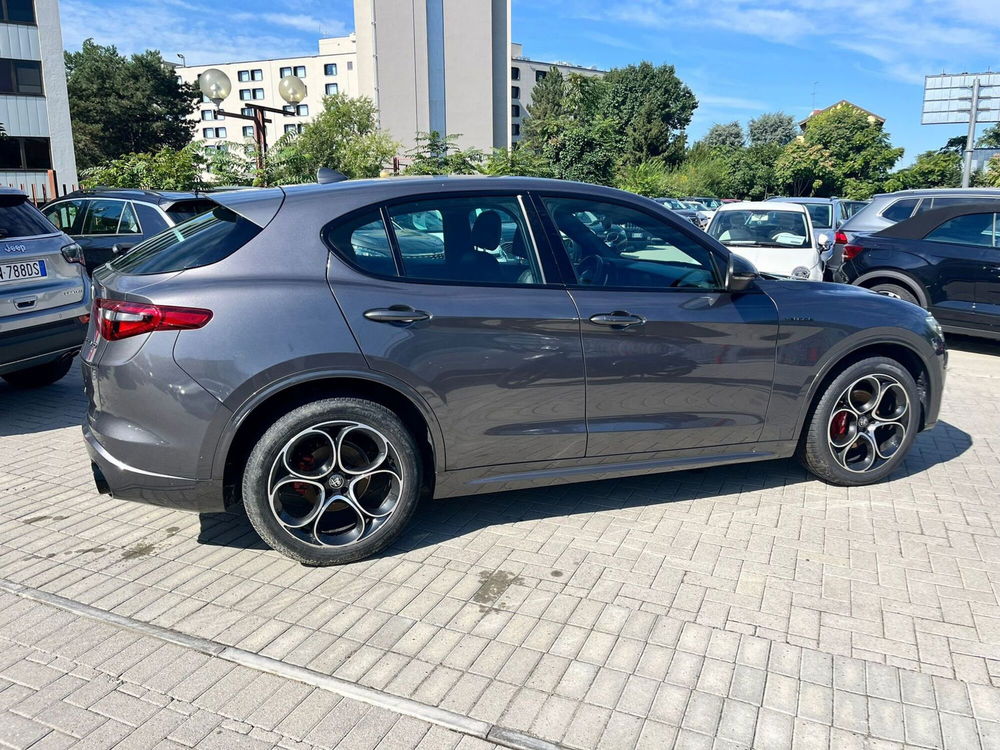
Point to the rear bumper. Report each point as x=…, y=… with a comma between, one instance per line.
x=124, y=482
x=27, y=347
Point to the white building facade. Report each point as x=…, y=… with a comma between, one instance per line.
x=37, y=154
x=428, y=65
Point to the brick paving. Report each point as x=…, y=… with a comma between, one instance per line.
x=730, y=607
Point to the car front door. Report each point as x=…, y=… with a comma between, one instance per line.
x=959, y=251
x=673, y=360
x=439, y=300
x=107, y=222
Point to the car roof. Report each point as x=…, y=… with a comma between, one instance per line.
x=917, y=227
x=763, y=206
x=801, y=199
x=159, y=197
x=12, y=191
x=931, y=192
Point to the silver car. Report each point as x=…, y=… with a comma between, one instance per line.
x=44, y=295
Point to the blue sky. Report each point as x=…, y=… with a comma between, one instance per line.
x=741, y=57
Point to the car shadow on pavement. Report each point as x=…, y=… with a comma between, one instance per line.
x=440, y=520
x=972, y=345
x=33, y=410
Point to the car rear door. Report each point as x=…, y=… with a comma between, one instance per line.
x=107, y=222
x=988, y=284
x=959, y=251
x=673, y=360
x=438, y=299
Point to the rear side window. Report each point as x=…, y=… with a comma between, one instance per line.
x=971, y=229
x=849, y=208
x=18, y=218
x=961, y=200
x=363, y=241
x=184, y=210
x=900, y=210
x=64, y=214
x=200, y=241
x=821, y=215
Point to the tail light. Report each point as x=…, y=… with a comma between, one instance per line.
x=840, y=238
x=72, y=252
x=851, y=250
x=117, y=319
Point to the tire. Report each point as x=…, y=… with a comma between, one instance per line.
x=365, y=456
x=897, y=291
x=40, y=375
x=846, y=427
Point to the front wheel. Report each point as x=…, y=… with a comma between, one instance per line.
x=863, y=424
x=40, y=375
x=896, y=292
x=333, y=481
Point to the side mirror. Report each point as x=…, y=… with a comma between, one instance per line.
x=825, y=247
x=122, y=247
x=740, y=273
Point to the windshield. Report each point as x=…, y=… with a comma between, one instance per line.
x=760, y=228
x=671, y=203
x=821, y=215
x=18, y=218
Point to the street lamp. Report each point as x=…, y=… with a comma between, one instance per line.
x=216, y=86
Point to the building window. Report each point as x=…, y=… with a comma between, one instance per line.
x=293, y=128
x=300, y=71
x=302, y=110
x=515, y=74
x=515, y=92
x=20, y=77
x=248, y=111
x=248, y=131
x=257, y=74
x=540, y=74
x=213, y=132
x=25, y=153
x=17, y=11
x=330, y=69
x=289, y=109
x=207, y=114
x=331, y=89
x=243, y=76
x=515, y=110
x=285, y=72
x=515, y=129
x=350, y=65
x=245, y=95
x=258, y=93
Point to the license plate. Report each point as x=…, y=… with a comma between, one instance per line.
x=26, y=269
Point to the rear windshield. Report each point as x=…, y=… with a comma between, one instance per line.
x=184, y=210
x=18, y=218
x=201, y=241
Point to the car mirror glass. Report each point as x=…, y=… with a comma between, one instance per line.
x=740, y=273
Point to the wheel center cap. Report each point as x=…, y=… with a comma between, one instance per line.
x=863, y=422
x=336, y=482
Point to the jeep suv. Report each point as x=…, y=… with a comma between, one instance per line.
x=325, y=355
x=44, y=295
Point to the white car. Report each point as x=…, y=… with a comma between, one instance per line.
x=776, y=237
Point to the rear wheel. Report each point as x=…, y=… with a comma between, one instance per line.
x=863, y=423
x=896, y=291
x=41, y=375
x=333, y=481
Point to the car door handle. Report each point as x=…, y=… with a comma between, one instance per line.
x=396, y=314
x=617, y=319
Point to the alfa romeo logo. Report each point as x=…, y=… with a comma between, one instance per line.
x=336, y=482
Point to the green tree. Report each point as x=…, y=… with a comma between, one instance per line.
x=752, y=171
x=724, y=135
x=771, y=128
x=932, y=169
x=166, y=169
x=517, y=161
x=861, y=151
x=438, y=154
x=650, y=178
x=989, y=139
x=805, y=169
x=121, y=105
x=649, y=107
x=705, y=171
x=548, y=113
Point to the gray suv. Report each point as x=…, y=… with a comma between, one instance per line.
x=326, y=355
x=44, y=295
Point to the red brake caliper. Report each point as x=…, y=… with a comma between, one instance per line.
x=838, y=428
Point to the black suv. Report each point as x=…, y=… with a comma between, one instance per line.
x=946, y=260
x=100, y=219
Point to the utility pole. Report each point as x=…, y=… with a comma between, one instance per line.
x=970, y=140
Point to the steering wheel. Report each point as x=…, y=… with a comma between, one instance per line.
x=592, y=271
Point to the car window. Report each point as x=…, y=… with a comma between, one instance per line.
x=849, y=208
x=480, y=240
x=611, y=245
x=64, y=214
x=18, y=218
x=971, y=229
x=821, y=215
x=364, y=242
x=900, y=210
x=129, y=223
x=761, y=228
x=103, y=217
x=184, y=210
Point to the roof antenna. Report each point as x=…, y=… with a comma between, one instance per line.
x=325, y=176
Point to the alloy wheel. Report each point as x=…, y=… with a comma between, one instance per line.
x=868, y=423
x=335, y=484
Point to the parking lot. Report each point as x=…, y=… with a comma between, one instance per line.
x=742, y=606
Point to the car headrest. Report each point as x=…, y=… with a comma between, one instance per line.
x=486, y=231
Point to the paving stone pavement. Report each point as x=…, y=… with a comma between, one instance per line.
x=731, y=607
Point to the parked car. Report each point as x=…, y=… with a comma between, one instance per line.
x=710, y=203
x=827, y=216
x=682, y=210
x=44, y=295
x=252, y=357
x=100, y=220
x=946, y=260
x=778, y=238
x=887, y=209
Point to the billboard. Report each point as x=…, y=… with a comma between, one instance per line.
x=948, y=98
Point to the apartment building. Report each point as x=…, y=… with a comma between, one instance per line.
x=34, y=107
x=444, y=65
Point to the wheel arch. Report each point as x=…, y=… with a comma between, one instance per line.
x=253, y=419
x=871, y=278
